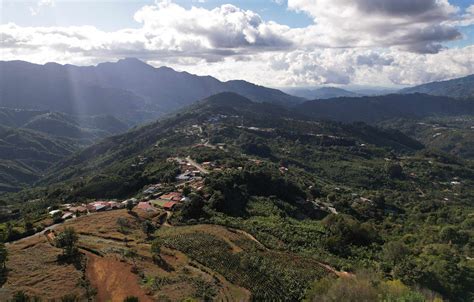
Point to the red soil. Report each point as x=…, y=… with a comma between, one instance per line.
x=113, y=279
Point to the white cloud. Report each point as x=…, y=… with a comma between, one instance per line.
x=35, y=10
x=412, y=25
x=358, y=42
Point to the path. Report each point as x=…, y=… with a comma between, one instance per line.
x=197, y=166
x=168, y=216
x=49, y=228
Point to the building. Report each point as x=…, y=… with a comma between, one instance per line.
x=169, y=206
x=67, y=215
x=54, y=212
x=98, y=206
x=78, y=209
x=145, y=206
x=172, y=196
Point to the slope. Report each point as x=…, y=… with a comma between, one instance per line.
x=129, y=89
x=379, y=108
x=456, y=88
x=31, y=141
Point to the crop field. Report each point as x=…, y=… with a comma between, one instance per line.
x=268, y=275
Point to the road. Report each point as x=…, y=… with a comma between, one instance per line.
x=197, y=166
x=51, y=227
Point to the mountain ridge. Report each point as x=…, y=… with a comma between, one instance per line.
x=462, y=87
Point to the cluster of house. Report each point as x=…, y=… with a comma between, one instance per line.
x=99, y=206
x=68, y=211
x=168, y=201
x=153, y=189
x=189, y=172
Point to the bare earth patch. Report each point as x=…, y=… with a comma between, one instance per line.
x=113, y=279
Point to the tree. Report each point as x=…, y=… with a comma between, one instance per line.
x=129, y=206
x=67, y=240
x=28, y=226
x=132, y=254
x=70, y=298
x=21, y=296
x=148, y=228
x=186, y=190
x=394, y=170
x=131, y=299
x=193, y=207
x=57, y=217
x=156, y=250
x=123, y=224
x=3, y=255
x=394, y=251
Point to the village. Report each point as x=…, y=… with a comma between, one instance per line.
x=152, y=198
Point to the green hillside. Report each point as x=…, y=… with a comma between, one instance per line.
x=32, y=141
x=357, y=197
x=461, y=88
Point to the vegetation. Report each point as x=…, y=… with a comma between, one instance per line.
x=67, y=241
x=354, y=197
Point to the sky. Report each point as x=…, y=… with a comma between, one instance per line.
x=277, y=43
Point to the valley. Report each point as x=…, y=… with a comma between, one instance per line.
x=286, y=202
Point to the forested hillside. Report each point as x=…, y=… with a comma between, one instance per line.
x=360, y=201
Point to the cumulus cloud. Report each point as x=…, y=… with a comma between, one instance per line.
x=225, y=27
x=412, y=25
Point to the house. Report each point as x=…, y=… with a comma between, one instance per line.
x=183, y=177
x=145, y=206
x=172, y=196
x=169, y=206
x=78, y=209
x=98, y=206
x=54, y=212
x=134, y=201
x=115, y=205
x=67, y=215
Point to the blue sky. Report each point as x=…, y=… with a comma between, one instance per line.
x=352, y=42
x=113, y=15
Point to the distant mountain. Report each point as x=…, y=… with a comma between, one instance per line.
x=129, y=89
x=456, y=88
x=31, y=141
x=321, y=93
x=379, y=108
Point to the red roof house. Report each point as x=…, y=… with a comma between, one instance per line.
x=175, y=196
x=145, y=206
x=169, y=205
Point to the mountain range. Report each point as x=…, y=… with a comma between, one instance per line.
x=49, y=112
x=457, y=88
x=128, y=89
x=321, y=93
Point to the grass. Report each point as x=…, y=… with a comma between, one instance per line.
x=33, y=268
